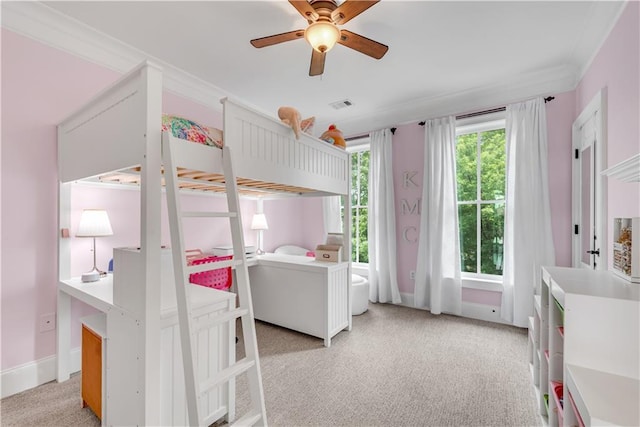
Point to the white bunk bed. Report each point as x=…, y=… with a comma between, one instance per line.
x=118, y=134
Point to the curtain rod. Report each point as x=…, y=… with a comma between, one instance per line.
x=492, y=110
x=462, y=116
x=365, y=135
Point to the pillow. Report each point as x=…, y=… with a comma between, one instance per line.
x=291, y=250
x=191, y=131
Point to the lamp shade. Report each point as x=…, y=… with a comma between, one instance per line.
x=322, y=35
x=259, y=222
x=94, y=223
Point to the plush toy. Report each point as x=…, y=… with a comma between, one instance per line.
x=334, y=136
x=291, y=117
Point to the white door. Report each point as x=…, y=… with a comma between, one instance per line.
x=589, y=187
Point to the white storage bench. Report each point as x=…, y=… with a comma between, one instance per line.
x=302, y=294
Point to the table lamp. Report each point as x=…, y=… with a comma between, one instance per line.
x=94, y=223
x=259, y=222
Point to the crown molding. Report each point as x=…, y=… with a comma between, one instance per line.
x=626, y=171
x=46, y=25
x=525, y=86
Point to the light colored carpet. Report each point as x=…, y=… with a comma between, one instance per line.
x=398, y=366
x=51, y=404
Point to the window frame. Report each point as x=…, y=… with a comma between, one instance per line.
x=356, y=146
x=479, y=124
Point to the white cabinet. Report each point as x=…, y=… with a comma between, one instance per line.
x=585, y=348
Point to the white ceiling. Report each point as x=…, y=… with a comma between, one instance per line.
x=444, y=57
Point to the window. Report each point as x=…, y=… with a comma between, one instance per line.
x=480, y=170
x=359, y=202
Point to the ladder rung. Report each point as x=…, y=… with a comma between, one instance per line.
x=218, y=319
x=214, y=265
x=225, y=375
x=248, y=419
x=209, y=214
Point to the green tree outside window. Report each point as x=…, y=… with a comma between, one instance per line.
x=480, y=174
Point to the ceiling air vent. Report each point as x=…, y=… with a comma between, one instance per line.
x=341, y=104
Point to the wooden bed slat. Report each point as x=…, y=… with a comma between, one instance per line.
x=208, y=182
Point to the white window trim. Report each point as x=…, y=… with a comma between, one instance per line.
x=356, y=146
x=477, y=124
x=483, y=123
x=359, y=144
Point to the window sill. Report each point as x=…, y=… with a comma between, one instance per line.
x=481, y=283
x=468, y=281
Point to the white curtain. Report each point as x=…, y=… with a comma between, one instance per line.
x=528, y=241
x=331, y=214
x=383, y=279
x=438, y=285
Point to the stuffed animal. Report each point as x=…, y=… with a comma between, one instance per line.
x=334, y=136
x=290, y=116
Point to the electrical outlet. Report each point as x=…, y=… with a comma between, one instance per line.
x=47, y=322
x=412, y=275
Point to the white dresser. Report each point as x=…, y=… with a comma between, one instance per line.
x=585, y=348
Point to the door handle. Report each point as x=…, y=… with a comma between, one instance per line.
x=596, y=252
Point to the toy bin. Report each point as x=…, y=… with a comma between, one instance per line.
x=556, y=390
x=219, y=278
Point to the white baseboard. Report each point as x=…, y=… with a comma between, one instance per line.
x=33, y=374
x=489, y=313
x=469, y=309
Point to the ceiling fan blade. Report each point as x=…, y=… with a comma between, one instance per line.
x=277, y=38
x=305, y=9
x=317, y=63
x=350, y=9
x=362, y=44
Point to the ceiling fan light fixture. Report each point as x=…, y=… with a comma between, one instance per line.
x=322, y=35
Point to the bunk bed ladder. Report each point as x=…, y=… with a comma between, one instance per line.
x=195, y=388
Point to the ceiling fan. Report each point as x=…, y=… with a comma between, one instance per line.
x=323, y=33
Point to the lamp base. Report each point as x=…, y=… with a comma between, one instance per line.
x=90, y=277
x=93, y=275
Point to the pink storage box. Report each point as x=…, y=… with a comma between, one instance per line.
x=219, y=278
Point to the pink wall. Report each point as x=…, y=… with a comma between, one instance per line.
x=616, y=68
x=294, y=221
x=408, y=153
x=560, y=117
x=40, y=86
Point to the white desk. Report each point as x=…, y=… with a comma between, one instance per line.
x=217, y=348
x=96, y=294
x=100, y=296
